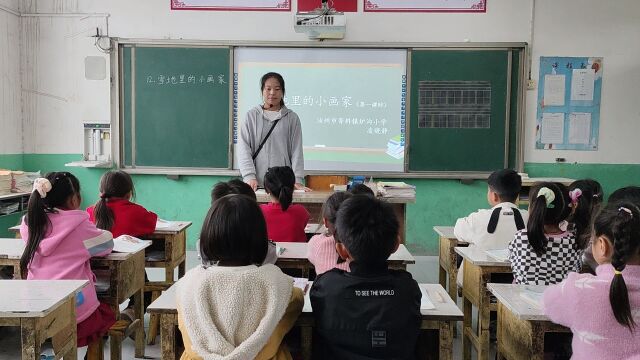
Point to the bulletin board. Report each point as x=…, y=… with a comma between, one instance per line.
x=569, y=93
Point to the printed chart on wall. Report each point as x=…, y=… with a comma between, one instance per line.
x=351, y=102
x=569, y=94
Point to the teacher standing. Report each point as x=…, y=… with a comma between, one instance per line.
x=270, y=136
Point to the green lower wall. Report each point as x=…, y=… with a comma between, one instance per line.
x=11, y=161
x=438, y=202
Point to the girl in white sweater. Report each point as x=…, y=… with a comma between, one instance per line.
x=236, y=309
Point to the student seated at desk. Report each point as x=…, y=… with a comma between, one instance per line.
x=60, y=240
x=236, y=309
x=371, y=312
x=285, y=221
x=236, y=186
x=543, y=254
x=322, y=247
x=115, y=212
x=586, y=198
x=602, y=310
x=491, y=229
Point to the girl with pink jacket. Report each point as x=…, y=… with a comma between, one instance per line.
x=60, y=240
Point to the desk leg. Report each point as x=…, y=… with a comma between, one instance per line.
x=168, y=336
x=306, y=337
x=453, y=274
x=446, y=340
x=139, y=314
x=466, y=327
x=182, y=267
x=483, y=325
x=30, y=339
x=168, y=274
x=442, y=277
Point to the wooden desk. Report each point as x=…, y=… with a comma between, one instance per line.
x=478, y=268
x=521, y=324
x=174, y=237
x=125, y=272
x=42, y=309
x=314, y=200
x=175, y=245
x=448, y=258
x=442, y=319
x=295, y=257
x=527, y=183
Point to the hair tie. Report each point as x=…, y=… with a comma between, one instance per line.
x=622, y=208
x=549, y=196
x=42, y=186
x=575, y=195
x=617, y=272
x=104, y=196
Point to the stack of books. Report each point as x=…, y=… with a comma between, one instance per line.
x=5, y=182
x=396, y=189
x=394, y=148
x=21, y=183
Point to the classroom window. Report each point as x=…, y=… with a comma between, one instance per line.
x=454, y=104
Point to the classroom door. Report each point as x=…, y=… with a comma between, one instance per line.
x=459, y=110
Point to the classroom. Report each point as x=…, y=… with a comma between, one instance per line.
x=160, y=90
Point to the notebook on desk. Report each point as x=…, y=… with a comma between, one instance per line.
x=425, y=302
x=129, y=244
x=499, y=254
x=532, y=297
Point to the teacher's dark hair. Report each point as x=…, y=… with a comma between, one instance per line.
x=276, y=76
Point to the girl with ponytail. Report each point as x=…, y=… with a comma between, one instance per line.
x=60, y=240
x=285, y=221
x=543, y=253
x=114, y=210
x=586, y=198
x=603, y=310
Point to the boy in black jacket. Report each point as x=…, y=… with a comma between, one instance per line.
x=371, y=312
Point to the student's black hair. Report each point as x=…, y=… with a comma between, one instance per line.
x=279, y=181
x=620, y=224
x=368, y=228
x=63, y=186
x=540, y=214
x=113, y=184
x=276, y=76
x=234, y=230
x=330, y=208
x=584, y=208
x=361, y=189
x=629, y=194
x=506, y=183
x=233, y=186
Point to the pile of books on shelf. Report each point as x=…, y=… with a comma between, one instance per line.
x=396, y=189
x=21, y=183
x=5, y=182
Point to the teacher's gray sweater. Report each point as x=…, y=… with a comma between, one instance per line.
x=283, y=148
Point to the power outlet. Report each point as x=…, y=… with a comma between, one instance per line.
x=531, y=84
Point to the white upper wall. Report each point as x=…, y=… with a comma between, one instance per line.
x=610, y=29
x=10, y=112
x=57, y=47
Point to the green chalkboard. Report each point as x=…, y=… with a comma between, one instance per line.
x=461, y=103
x=175, y=103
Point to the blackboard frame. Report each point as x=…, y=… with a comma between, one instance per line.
x=516, y=157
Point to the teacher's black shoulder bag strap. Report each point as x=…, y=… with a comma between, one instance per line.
x=255, y=154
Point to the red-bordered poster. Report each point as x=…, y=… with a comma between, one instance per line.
x=338, y=5
x=478, y=6
x=232, y=5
